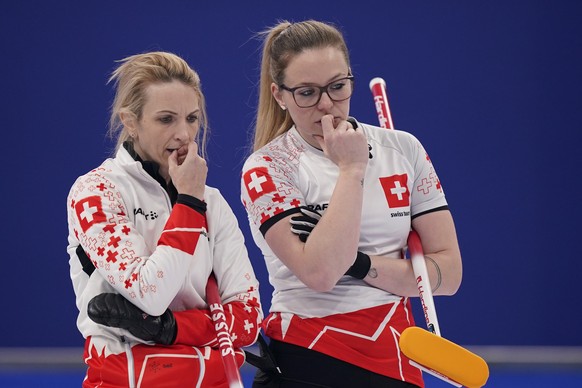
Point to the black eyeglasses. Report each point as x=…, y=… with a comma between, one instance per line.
x=308, y=96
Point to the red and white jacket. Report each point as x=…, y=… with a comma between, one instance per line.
x=157, y=256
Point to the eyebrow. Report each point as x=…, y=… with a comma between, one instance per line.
x=165, y=111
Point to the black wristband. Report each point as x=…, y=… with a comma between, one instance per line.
x=193, y=202
x=361, y=266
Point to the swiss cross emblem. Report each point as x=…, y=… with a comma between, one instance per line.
x=396, y=190
x=258, y=182
x=89, y=212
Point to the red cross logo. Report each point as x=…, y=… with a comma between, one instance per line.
x=114, y=241
x=89, y=212
x=111, y=256
x=396, y=190
x=258, y=182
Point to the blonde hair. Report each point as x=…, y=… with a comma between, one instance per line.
x=282, y=43
x=135, y=74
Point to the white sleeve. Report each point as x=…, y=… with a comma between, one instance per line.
x=99, y=220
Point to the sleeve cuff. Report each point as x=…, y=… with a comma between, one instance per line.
x=192, y=202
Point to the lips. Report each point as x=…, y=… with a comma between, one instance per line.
x=182, y=151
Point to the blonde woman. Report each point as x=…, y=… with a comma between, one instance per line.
x=145, y=232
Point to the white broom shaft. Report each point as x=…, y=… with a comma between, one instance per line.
x=378, y=88
x=222, y=334
x=469, y=369
x=423, y=282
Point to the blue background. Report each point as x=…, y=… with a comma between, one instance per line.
x=491, y=88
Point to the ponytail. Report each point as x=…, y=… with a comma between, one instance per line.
x=271, y=120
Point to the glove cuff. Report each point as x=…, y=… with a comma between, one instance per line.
x=168, y=329
x=193, y=202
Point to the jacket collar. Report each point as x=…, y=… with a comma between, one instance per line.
x=152, y=168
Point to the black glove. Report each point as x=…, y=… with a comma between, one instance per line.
x=303, y=223
x=114, y=310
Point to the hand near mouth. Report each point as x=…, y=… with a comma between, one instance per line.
x=188, y=170
x=342, y=144
x=181, y=152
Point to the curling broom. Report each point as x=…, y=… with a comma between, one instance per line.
x=426, y=350
x=222, y=334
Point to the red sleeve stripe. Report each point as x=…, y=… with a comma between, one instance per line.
x=183, y=216
x=183, y=229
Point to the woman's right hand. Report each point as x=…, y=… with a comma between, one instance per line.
x=189, y=177
x=343, y=144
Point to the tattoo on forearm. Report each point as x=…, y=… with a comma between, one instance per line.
x=373, y=273
x=438, y=270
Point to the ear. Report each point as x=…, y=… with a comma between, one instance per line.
x=277, y=94
x=129, y=122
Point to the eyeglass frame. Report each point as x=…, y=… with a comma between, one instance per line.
x=322, y=89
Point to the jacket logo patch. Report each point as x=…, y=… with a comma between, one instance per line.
x=396, y=190
x=148, y=216
x=258, y=182
x=89, y=212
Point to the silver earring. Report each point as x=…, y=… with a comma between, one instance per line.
x=283, y=107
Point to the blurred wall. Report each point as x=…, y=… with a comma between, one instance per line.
x=492, y=89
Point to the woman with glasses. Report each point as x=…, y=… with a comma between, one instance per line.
x=330, y=203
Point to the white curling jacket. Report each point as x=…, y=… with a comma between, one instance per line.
x=156, y=255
